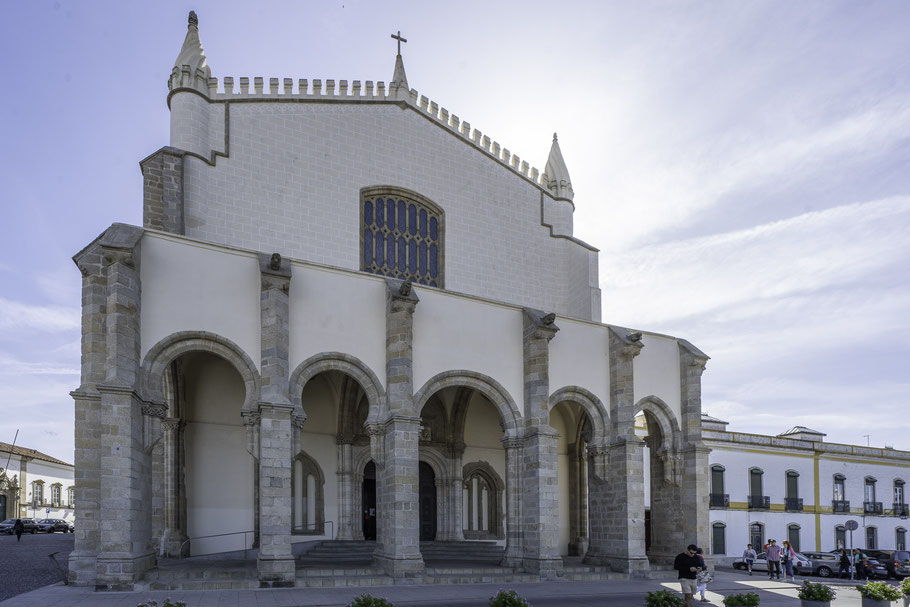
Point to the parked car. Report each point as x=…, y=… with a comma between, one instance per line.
x=801, y=565
x=897, y=562
x=50, y=525
x=875, y=569
x=29, y=526
x=824, y=564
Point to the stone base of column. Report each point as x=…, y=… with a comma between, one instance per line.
x=276, y=572
x=546, y=568
x=665, y=559
x=635, y=566
x=407, y=569
x=118, y=571
x=512, y=556
x=172, y=544
x=81, y=569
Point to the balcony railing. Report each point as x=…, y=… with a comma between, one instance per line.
x=872, y=507
x=793, y=504
x=759, y=502
x=901, y=510
x=841, y=506
x=720, y=500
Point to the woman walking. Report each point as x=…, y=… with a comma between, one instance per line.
x=749, y=557
x=787, y=556
x=844, y=569
x=703, y=577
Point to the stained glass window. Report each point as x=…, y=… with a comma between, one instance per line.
x=401, y=236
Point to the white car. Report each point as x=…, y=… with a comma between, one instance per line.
x=801, y=565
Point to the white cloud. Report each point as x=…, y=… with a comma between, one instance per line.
x=15, y=315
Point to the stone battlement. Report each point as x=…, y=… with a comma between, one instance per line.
x=318, y=90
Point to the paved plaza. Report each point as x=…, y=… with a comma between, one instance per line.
x=544, y=594
x=25, y=565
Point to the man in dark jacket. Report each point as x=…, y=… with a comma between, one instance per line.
x=688, y=565
x=18, y=528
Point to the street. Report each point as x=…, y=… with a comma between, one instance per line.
x=25, y=565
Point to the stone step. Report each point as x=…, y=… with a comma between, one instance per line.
x=339, y=571
x=479, y=578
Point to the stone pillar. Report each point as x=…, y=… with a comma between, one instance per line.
x=346, y=492
x=514, y=549
x=398, y=535
x=87, y=455
x=540, y=491
x=162, y=190
x=616, y=471
x=276, y=432
x=174, y=536
x=125, y=537
x=693, y=464
x=456, y=493
x=578, y=500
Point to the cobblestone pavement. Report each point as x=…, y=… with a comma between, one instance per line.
x=25, y=566
x=545, y=594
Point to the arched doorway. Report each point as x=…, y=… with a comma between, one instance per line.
x=427, y=503
x=575, y=430
x=662, y=486
x=368, y=501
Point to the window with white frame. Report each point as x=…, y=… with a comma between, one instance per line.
x=56, y=492
x=900, y=538
x=793, y=536
x=899, y=492
x=839, y=491
x=757, y=536
x=871, y=538
x=71, y=497
x=840, y=537
x=38, y=493
x=718, y=538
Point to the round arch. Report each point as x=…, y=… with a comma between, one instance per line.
x=662, y=413
x=435, y=459
x=489, y=387
x=338, y=361
x=163, y=353
x=590, y=404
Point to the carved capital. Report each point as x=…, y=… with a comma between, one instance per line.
x=626, y=344
x=540, y=325
x=152, y=409
x=376, y=432
x=511, y=442
x=401, y=296
x=173, y=424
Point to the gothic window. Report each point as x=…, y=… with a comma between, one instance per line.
x=401, y=235
x=718, y=538
x=482, y=502
x=307, y=485
x=56, y=490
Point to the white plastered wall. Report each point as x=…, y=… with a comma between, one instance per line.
x=453, y=332
x=332, y=311
x=580, y=356
x=190, y=286
x=656, y=371
x=219, y=470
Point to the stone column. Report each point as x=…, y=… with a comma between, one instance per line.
x=540, y=491
x=456, y=492
x=514, y=549
x=87, y=455
x=276, y=432
x=616, y=471
x=346, y=493
x=174, y=536
x=693, y=464
x=398, y=535
x=125, y=536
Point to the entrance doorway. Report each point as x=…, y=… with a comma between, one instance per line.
x=427, y=503
x=368, y=501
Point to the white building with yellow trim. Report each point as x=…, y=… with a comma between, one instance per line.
x=796, y=486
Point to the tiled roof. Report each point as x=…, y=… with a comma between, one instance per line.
x=32, y=453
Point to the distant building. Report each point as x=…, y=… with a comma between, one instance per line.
x=796, y=486
x=34, y=484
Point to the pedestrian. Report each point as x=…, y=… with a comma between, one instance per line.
x=687, y=565
x=844, y=569
x=702, y=577
x=773, y=556
x=18, y=528
x=859, y=563
x=749, y=557
x=787, y=556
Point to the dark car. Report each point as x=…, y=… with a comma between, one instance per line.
x=824, y=564
x=897, y=562
x=50, y=525
x=875, y=569
x=29, y=526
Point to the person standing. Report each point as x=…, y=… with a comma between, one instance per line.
x=773, y=556
x=18, y=528
x=749, y=557
x=844, y=565
x=787, y=556
x=687, y=565
x=859, y=563
x=702, y=577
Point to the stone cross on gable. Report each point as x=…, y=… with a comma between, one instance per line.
x=399, y=39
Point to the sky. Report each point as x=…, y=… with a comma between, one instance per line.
x=743, y=167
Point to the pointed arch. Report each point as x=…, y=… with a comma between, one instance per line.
x=597, y=413
x=666, y=420
x=489, y=387
x=338, y=361
x=162, y=354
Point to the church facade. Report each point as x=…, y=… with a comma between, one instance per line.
x=349, y=314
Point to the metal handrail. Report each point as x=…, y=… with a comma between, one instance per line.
x=203, y=537
x=331, y=534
